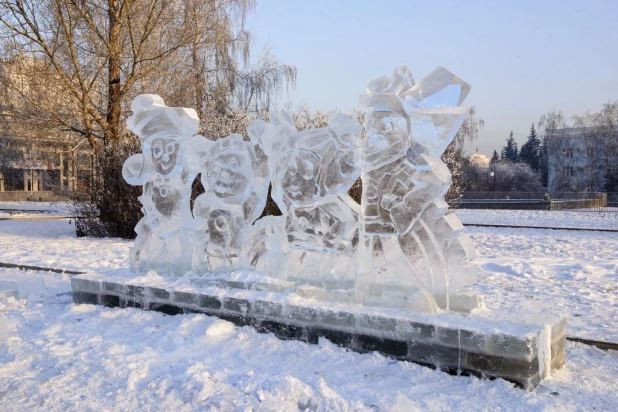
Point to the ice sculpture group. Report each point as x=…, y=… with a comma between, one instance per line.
x=398, y=248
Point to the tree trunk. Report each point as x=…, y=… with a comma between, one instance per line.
x=113, y=102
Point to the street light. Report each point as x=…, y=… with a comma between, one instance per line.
x=33, y=155
x=492, y=174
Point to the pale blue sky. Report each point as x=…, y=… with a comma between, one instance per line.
x=522, y=58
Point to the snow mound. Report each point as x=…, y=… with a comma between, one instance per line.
x=220, y=329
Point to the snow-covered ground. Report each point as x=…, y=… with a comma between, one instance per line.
x=540, y=218
x=81, y=357
x=34, y=209
x=570, y=272
x=65, y=356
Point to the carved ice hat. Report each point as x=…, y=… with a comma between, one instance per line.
x=431, y=107
x=382, y=93
x=400, y=94
x=152, y=118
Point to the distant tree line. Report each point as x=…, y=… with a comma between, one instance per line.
x=597, y=134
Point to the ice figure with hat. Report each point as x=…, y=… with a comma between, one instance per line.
x=312, y=171
x=163, y=169
x=410, y=254
x=235, y=177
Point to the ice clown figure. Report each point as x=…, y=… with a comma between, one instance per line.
x=312, y=171
x=163, y=243
x=234, y=174
x=411, y=254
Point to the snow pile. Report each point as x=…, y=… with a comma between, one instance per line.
x=574, y=273
x=53, y=244
x=220, y=329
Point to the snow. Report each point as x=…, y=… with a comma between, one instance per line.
x=64, y=356
x=52, y=243
x=61, y=356
x=540, y=218
x=570, y=272
x=24, y=283
x=34, y=209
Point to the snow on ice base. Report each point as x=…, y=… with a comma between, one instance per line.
x=522, y=348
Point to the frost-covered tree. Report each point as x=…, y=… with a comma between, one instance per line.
x=549, y=123
x=454, y=158
x=507, y=177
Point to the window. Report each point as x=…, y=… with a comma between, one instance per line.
x=589, y=152
x=568, y=153
x=568, y=171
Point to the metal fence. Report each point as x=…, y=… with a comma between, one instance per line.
x=581, y=202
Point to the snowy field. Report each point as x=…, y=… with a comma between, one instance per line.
x=81, y=357
x=540, y=218
x=34, y=209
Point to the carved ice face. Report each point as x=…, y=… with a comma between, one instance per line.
x=165, y=152
x=230, y=174
x=300, y=179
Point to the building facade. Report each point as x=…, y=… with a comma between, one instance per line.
x=54, y=163
x=479, y=160
x=38, y=157
x=582, y=160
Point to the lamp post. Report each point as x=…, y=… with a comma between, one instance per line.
x=33, y=155
x=493, y=174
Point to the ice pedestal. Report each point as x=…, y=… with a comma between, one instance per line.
x=522, y=348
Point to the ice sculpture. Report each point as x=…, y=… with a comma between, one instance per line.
x=163, y=234
x=398, y=248
x=235, y=178
x=312, y=172
x=410, y=253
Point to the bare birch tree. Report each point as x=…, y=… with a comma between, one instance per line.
x=453, y=155
x=101, y=53
x=193, y=52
